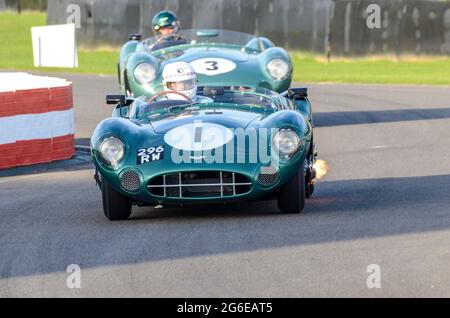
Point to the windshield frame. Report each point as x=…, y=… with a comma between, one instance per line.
x=236, y=38
x=276, y=103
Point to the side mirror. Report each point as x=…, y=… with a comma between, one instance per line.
x=300, y=98
x=121, y=101
x=115, y=99
x=135, y=37
x=297, y=93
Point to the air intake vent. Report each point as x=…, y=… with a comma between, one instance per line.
x=268, y=175
x=130, y=181
x=199, y=184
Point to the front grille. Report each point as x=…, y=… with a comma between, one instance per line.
x=268, y=175
x=199, y=184
x=130, y=181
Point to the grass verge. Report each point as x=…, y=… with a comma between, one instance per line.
x=15, y=32
x=17, y=52
x=379, y=70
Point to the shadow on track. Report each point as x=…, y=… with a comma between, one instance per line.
x=81, y=161
x=340, y=210
x=378, y=116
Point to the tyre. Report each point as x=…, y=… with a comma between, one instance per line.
x=116, y=206
x=292, y=194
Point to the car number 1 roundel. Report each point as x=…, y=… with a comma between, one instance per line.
x=213, y=66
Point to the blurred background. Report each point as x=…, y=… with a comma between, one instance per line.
x=412, y=34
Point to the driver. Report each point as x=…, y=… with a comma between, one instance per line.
x=165, y=23
x=166, y=27
x=181, y=77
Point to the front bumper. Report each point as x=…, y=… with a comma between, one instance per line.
x=233, y=182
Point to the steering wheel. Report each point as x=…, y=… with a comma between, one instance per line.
x=188, y=99
x=169, y=37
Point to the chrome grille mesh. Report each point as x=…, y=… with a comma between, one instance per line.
x=199, y=184
x=268, y=175
x=130, y=181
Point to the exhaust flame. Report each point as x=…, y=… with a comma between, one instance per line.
x=321, y=168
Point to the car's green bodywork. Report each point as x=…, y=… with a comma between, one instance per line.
x=293, y=113
x=250, y=54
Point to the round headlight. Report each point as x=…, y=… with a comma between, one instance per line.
x=112, y=151
x=278, y=69
x=145, y=73
x=286, y=142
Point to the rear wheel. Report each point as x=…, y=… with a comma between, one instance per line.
x=115, y=205
x=292, y=195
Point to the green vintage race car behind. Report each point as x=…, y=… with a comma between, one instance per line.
x=219, y=57
x=234, y=145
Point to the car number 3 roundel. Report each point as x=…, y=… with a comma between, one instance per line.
x=213, y=66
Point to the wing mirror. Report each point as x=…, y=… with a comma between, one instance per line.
x=115, y=99
x=121, y=101
x=296, y=93
x=135, y=37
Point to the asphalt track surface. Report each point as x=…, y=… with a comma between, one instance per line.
x=385, y=201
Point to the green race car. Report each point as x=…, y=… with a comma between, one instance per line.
x=219, y=57
x=229, y=145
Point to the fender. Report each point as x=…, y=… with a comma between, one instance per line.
x=132, y=62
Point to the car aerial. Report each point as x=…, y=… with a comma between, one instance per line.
x=219, y=57
x=240, y=144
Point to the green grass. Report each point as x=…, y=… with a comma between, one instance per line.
x=409, y=70
x=17, y=54
x=15, y=35
x=17, y=51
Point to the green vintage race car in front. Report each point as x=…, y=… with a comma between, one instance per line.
x=219, y=57
x=233, y=145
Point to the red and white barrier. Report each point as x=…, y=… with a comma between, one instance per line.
x=36, y=119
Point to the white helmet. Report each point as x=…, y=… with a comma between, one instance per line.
x=180, y=77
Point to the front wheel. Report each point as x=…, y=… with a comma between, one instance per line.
x=292, y=195
x=116, y=206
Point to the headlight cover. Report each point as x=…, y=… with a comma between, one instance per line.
x=278, y=68
x=112, y=151
x=145, y=73
x=286, y=142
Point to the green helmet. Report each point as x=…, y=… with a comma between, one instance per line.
x=164, y=19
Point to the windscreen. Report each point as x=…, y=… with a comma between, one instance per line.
x=223, y=36
x=227, y=98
